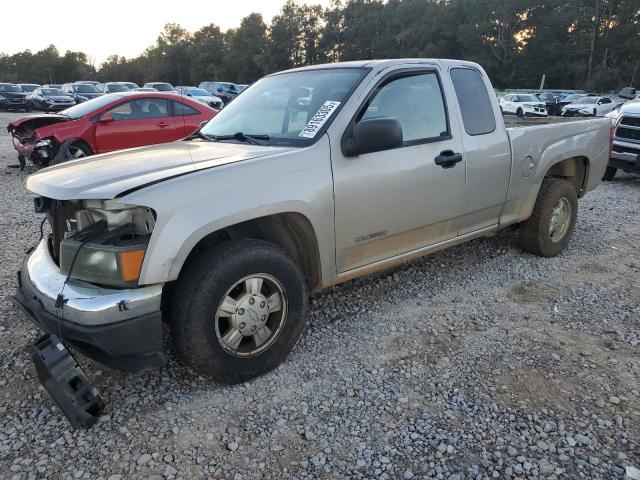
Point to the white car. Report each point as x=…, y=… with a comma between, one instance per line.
x=589, y=106
x=201, y=95
x=522, y=105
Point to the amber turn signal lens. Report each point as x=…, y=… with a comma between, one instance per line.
x=131, y=264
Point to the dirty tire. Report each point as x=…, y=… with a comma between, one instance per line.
x=535, y=237
x=609, y=174
x=200, y=290
x=519, y=113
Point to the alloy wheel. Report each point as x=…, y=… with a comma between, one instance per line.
x=560, y=220
x=251, y=315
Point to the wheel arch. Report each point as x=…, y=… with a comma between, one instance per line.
x=574, y=169
x=291, y=231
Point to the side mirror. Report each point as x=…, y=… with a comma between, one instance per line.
x=106, y=118
x=203, y=123
x=373, y=135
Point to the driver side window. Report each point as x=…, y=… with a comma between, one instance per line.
x=140, y=109
x=416, y=101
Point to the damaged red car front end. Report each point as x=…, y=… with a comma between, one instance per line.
x=29, y=135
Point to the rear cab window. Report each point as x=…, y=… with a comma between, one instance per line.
x=475, y=104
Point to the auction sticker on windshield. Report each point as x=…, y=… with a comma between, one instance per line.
x=319, y=119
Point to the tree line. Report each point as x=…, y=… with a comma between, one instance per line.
x=590, y=44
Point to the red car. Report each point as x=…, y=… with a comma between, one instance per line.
x=107, y=123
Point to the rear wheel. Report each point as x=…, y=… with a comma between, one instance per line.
x=238, y=310
x=548, y=231
x=609, y=174
x=595, y=112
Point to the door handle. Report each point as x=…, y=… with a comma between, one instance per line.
x=448, y=159
x=162, y=124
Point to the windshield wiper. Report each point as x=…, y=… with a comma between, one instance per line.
x=242, y=137
x=198, y=134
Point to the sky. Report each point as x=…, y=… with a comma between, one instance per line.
x=122, y=27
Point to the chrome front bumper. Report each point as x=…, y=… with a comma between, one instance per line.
x=86, y=304
x=630, y=153
x=120, y=328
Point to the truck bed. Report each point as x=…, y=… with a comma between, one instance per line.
x=537, y=143
x=511, y=121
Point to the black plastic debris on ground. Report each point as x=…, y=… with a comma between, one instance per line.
x=65, y=381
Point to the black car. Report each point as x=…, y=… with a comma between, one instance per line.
x=550, y=102
x=50, y=99
x=12, y=98
x=81, y=92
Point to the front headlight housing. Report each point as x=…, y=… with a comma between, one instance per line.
x=103, y=264
x=108, y=245
x=44, y=143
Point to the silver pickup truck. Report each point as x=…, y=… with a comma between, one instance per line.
x=309, y=178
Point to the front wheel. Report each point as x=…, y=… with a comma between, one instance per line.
x=548, y=231
x=238, y=310
x=520, y=113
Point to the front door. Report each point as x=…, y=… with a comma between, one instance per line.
x=391, y=202
x=135, y=123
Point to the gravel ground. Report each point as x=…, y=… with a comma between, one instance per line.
x=477, y=362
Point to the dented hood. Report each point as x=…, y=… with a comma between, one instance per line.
x=38, y=121
x=112, y=174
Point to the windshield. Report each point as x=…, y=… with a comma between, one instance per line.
x=280, y=106
x=89, y=106
x=229, y=87
x=52, y=92
x=527, y=98
x=572, y=98
x=9, y=88
x=28, y=88
x=587, y=100
x=85, y=88
x=199, y=92
x=117, y=87
x=163, y=87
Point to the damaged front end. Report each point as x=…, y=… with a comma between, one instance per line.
x=81, y=282
x=30, y=145
x=80, y=285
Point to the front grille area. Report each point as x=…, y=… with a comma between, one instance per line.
x=633, y=121
x=628, y=133
x=621, y=149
